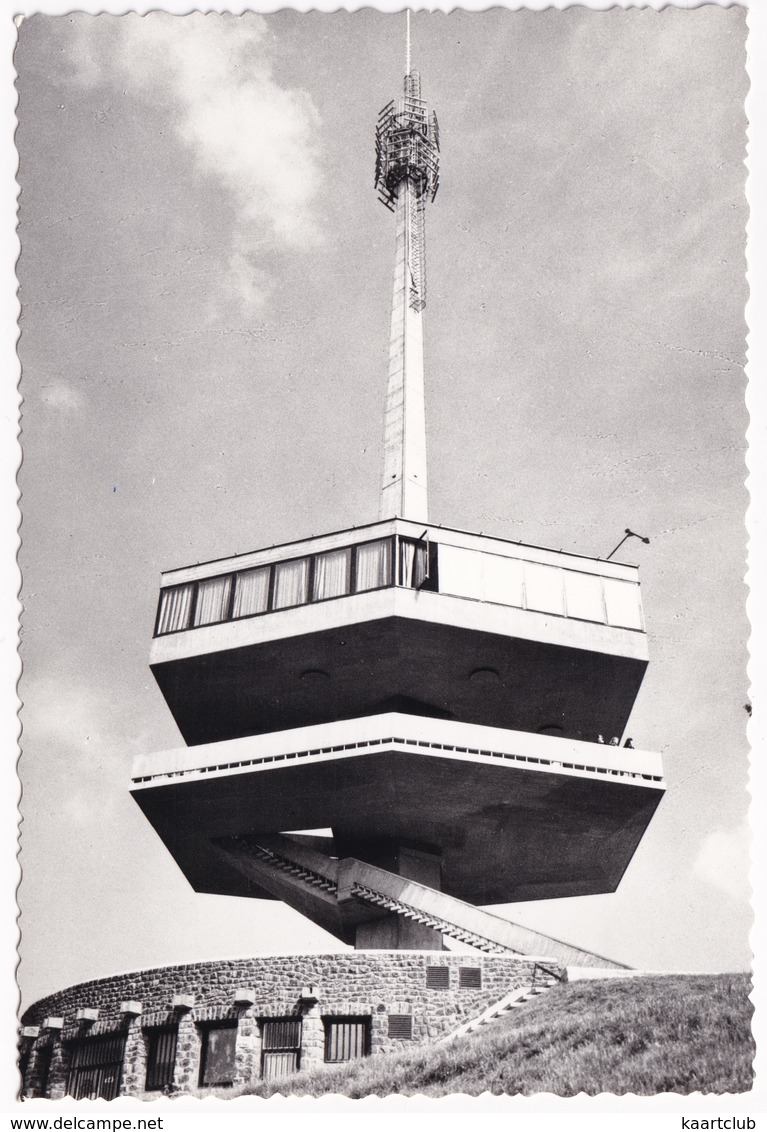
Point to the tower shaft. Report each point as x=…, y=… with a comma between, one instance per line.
x=407, y=175
x=404, y=485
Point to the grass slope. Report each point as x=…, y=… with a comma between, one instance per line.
x=654, y=1034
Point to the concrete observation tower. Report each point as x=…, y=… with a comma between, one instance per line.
x=386, y=728
x=390, y=725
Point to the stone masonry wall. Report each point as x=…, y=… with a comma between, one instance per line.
x=371, y=984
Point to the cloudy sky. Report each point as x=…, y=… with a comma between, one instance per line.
x=205, y=282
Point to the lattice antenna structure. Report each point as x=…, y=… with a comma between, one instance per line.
x=407, y=165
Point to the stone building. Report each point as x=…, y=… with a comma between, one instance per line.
x=230, y=1022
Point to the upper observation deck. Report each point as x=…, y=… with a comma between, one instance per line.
x=397, y=615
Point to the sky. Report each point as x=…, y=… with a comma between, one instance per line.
x=205, y=286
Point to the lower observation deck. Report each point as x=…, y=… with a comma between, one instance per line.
x=510, y=815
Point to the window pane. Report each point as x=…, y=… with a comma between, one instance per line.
x=291, y=583
x=460, y=572
x=412, y=563
x=543, y=587
x=331, y=574
x=584, y=596
x=212, y=600
x=484, y=577
x=175, y=608
x=251, y=592
x=623, y=604
x=219, y=1055
x=502, y=578
x=374, y=562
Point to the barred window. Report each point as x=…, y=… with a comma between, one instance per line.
x=438, y=978
x=346, y=1039
x=96, y=1067
x=161, y=1060
x=280, y=1047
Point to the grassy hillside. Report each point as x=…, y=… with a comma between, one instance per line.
x=671, y=1033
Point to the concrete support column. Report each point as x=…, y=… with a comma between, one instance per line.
x=395, y=932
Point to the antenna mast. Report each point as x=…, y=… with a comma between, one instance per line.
x=407, y=176
x=407, y=43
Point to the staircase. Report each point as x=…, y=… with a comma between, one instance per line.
x=285, y=865
x=341, y=894
x=489, y=946
x=511, y=1001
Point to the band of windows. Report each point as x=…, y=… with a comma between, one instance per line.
x=411, y=563
x=298, y=581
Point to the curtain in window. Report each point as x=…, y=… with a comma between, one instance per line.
x=331, y=574
x=374, y=562
x=175, y=608
x=412, y=563
x=251, y=592
x=291, y=583
x=213, y=600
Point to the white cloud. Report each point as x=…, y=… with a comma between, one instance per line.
x=723, y=860
x=259, y=139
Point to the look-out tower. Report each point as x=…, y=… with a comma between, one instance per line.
x=388, y=726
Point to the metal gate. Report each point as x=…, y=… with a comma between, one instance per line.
x=280, y=1047
x=96, y=1067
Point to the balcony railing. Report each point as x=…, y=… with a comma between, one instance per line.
x=413, y=563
